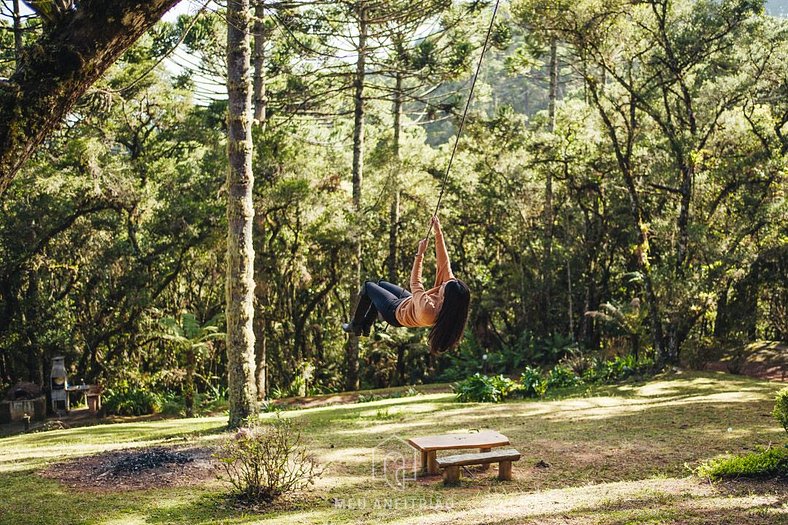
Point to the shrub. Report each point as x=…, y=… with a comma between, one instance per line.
x=265, y=460
x=561, y=376
x=769, y=462
x=579, y=362
x=131, y=401
x=781, y=408
x=533, y=383
x=485, y=389
x=618, y=369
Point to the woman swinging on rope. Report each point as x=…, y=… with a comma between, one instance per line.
x=444, y=307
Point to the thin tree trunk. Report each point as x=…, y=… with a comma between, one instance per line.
x=351, y=350
x=188, y=397
x=240, y=217
x=394, y=213
x=553, y=94
x=260, y=100
x=548, y=193
x=395, y=184
x=260, y=355
x=260, y=119
x=570, y=306
x=17, y=32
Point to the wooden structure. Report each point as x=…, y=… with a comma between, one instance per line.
x=429, y=445
x=451, y=464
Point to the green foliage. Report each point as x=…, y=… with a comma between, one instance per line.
x=618, y=369
x=134, y=226
x=561, y=376
x=769, y=462
x=264, y=460
x=485, y=389
x=533, y=382
x=781, y=408
x=126, y=400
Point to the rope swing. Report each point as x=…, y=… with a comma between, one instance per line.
x=464, y=114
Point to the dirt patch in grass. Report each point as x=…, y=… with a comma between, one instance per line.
x=140, y=468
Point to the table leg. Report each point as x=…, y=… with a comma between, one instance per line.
x=424, y=466
x=483, y=450
x=432, y=462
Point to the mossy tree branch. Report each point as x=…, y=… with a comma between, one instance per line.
x=72, y=54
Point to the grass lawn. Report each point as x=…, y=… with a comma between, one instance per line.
x=615, y=454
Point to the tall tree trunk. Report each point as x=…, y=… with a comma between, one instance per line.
x=548, y=193
x=351, y=350
x=260, y=101
x=553, y=94
x=623, y=150
x=260, y=120
x=395, y=183
x=675, y=328
x=69, y=57
x=240, y=217
x=394, y=213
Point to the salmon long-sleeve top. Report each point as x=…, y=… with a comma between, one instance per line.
x=422, y=308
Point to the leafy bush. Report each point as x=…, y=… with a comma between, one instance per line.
x=513, y=353
x=781, y=408
x=265, y=460
x=172, y=404
x=769, y=462
x=485, y=389
x=554, y=348
x=562, y=376
x=131, y=401
x=533, y=383
x=618, y=369
x=578, y=361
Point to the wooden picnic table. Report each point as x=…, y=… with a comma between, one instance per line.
x=429, y=445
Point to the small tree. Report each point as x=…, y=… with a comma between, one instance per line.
x=189, y=336
x=628, y=318
x=264, y=460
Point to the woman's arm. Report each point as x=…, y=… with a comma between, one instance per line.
x=443, y=272
x=415, y=273
x=420, y=298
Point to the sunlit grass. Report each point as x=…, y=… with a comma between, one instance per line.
x=616, y=454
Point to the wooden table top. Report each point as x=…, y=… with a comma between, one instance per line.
x=483, y=439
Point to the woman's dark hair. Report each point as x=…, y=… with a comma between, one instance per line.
x=450, y=325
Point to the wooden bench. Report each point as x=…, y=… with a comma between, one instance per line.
x=484, y=441
x=451, y=464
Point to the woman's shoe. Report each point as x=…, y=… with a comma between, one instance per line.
x=353, y=329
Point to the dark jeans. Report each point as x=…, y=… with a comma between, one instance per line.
x=381, y=297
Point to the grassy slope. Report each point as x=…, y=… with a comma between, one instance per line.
x=616, y=455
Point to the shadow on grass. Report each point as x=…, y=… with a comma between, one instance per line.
x=640, y=431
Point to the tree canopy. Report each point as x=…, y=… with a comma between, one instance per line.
x=619, y=188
